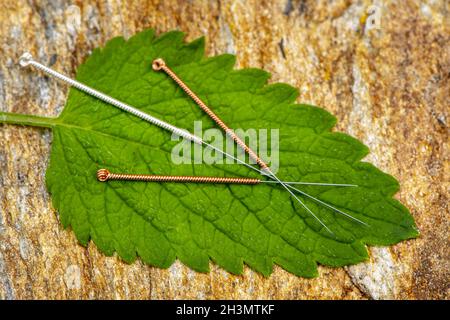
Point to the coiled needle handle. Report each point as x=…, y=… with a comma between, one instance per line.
x=104, y=175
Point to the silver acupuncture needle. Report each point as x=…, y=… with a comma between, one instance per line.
x=26, y=59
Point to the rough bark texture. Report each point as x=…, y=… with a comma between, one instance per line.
x=388, y=87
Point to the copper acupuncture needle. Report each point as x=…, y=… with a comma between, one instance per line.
x=159, y=64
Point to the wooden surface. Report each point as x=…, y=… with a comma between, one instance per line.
x=388, y=87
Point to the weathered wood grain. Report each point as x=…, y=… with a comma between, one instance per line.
x=388, y=87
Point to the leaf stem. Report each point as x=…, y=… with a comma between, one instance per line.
x=27, y=120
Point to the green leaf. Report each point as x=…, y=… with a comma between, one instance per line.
x=230, y=224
